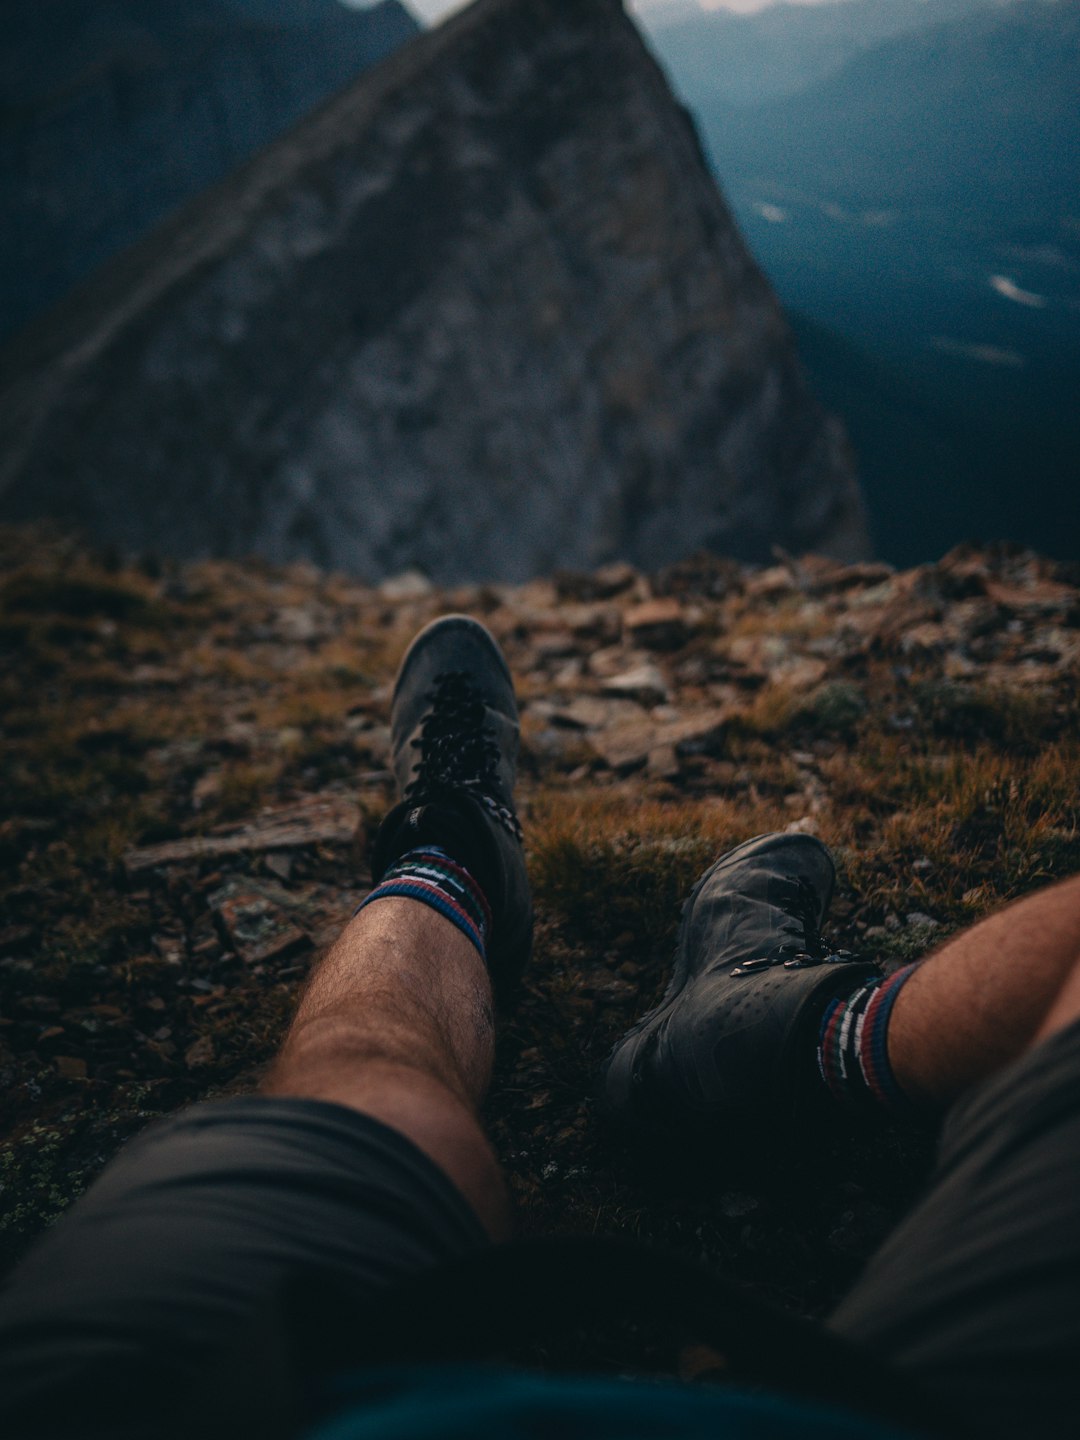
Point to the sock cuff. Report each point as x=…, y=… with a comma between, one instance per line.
x=873, y=1051
x=433, y=878
x=433, y=864
x=853, y=1055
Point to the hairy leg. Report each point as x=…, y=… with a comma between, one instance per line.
x=362, y=1162
x=159, y=1274
x=397, y=1024
x=988, y=995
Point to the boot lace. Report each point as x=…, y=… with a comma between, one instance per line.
x=807, y=946
x=458, y=750
x=800, y=903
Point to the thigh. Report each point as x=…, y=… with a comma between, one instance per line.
x=192, y=1232
x=977, y=1293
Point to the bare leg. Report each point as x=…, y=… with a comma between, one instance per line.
x=988, y=995
x=397, y=1023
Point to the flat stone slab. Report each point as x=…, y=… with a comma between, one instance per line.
x=326, y=819
x=625, y=746
x=257, y=928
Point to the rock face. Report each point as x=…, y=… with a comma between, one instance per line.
x=111, y=116
x=484, y=313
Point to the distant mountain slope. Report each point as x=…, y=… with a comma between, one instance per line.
x=784, y=49
x=978, y=121
x=113, y=114
x=951, y=446
x=920, y=211
x=485, y=312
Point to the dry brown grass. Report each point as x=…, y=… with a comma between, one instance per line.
x=142, y=703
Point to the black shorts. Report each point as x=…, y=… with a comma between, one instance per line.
x=977, y=1292
x=202, y=1219
x=190, y=1234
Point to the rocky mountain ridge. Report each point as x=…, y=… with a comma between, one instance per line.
x=485, y=312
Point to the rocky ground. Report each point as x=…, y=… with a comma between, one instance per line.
x=194, y=757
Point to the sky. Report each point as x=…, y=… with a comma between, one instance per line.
x=430, y=10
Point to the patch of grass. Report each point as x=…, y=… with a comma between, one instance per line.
x=65, y=766
x=313, y=704
x=982, y=825
x=609, y=866
x=222, y=662
x=343, y=666
x=77, y=596
x=833, y=708
x=48, y=1164
x=790, y=614
x=245, y=787
x=35, y=1168
x=910, y=942
x=105, y=837
x=956, y=710
x=771, y=712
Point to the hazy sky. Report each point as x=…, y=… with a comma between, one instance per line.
x=435, y=9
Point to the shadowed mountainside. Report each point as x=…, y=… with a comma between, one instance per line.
x=485, y=312
x=113, y=115
x=918, y=208
x=972, y=125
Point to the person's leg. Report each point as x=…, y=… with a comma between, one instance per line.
x=918, y=1040
x=397, y=1023
x=976, y=1294
x=362, y=1159
x=756, y=991
x=975, y=1297
x=987, y=995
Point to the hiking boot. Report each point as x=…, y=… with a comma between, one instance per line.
x=453, y=744
x=731, y=1044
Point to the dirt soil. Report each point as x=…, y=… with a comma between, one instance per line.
x=194, y=758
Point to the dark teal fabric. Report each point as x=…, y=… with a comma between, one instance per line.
x=476, y=1404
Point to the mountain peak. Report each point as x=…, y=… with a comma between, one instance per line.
x=484, y=312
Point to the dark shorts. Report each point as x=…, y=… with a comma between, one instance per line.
x=190, y=1234
x=977, y=1292
x=202, y=1220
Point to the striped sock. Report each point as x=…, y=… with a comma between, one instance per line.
x=429, y=875
x=853, y=1055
